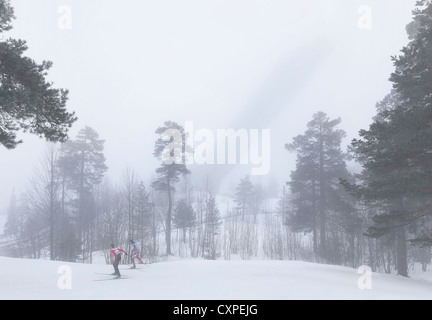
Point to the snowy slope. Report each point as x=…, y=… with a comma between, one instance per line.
x=201, y=280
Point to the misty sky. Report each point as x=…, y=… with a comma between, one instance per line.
x=268, y=64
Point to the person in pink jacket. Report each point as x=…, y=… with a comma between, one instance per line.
x=135, y=253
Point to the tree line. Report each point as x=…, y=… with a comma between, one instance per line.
x=382, y=215
x=69, y=210
x=379, y=216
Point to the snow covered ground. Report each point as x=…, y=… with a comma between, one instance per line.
x=199, y=280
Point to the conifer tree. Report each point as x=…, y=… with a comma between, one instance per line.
x=170, y=149
x=28, y=102
x=83, y=163
x=395, y=151
x=244, y=196
x=315, y=181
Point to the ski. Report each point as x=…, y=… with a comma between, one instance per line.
x=120, y=278
x=132, y=268
x=105, y=274
x=138, y=269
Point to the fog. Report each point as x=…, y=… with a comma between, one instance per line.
x=132, y=65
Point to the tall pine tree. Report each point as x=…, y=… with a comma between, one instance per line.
x=395, y=151
x=315, y=181
x=83, y=163
x=170, y=149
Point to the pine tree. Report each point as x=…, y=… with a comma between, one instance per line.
x=385, y=182
x=395, y=151
x=315, y=181
x=83, y=163
x=28, y=101
x=244, y=197
x=170, y=148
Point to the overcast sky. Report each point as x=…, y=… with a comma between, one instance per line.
x=255, y=64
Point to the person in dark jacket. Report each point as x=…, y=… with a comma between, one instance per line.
x=117, y=253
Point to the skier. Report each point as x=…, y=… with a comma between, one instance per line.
x=135, y=253
x=117, y=252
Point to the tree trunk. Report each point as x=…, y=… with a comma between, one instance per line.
x=425, y=258
x=51, y=205
x=314, y=231
x=371, y=255
x=168, y=219
x=322, y=209
x=81, y=208
x=402, y=256
x=401, y=242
